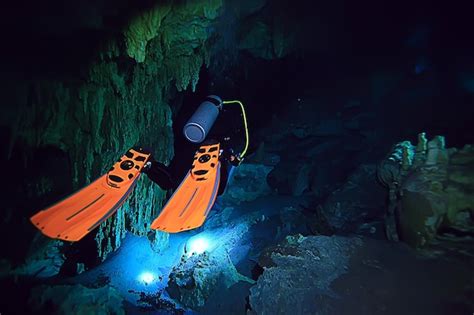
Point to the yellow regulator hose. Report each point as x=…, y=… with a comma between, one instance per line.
x=245, y=125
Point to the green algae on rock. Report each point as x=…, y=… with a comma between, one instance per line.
x=179, y=32
x=435, y=186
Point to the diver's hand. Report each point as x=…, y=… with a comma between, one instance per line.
x=147, y=166
x=235, y=160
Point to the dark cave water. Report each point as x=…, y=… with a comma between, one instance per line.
x=356, y=196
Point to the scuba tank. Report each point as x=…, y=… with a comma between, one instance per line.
x=198, y=126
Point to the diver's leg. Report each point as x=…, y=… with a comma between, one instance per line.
x=225, y=168
x=160, y=174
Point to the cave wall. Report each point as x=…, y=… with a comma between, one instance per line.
x=120, y=98
x=80, y=92
x=132, y=61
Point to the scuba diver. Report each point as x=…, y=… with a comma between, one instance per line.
x=74, y=217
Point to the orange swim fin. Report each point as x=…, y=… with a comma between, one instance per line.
x=190, y=204
x=72, y=218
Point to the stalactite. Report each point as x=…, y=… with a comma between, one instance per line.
x=98, y=117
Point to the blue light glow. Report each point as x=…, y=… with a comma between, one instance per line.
x=146, y=277
x=197, y=245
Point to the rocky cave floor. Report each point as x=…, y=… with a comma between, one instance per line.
x=262, y=256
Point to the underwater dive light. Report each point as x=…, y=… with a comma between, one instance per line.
x=197, y=245
x=146, y=277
